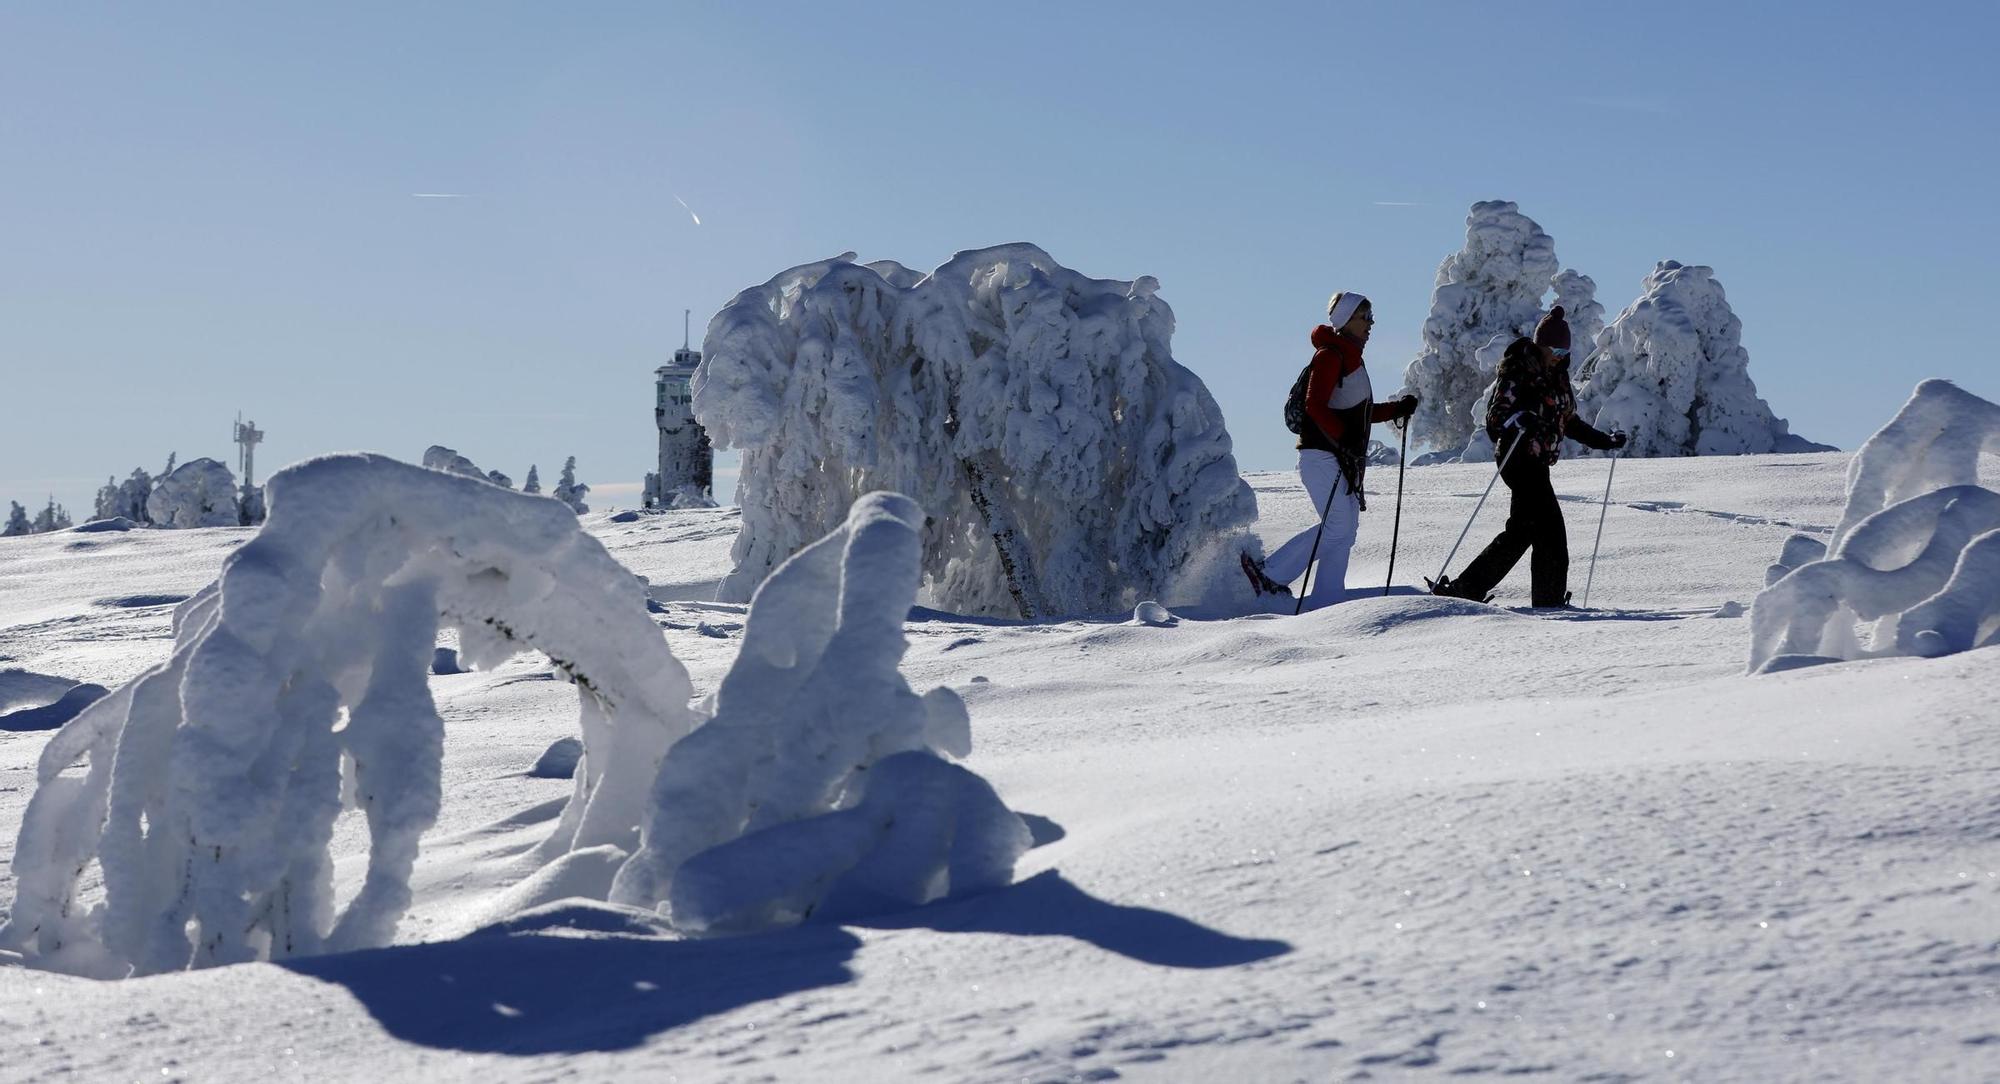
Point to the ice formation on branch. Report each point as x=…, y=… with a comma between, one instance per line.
x=1492, y=287
x=818, y=787
x=1672, y=373
x=1914, y=566
x=1069, y=464
x=213, y=780
x=198, y=493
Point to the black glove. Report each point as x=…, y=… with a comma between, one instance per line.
x=1406, y=406
x=1617, y=441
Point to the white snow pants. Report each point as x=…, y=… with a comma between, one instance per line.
x=1320, y=472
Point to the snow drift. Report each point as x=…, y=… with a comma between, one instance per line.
x=1913, y=568
x=298, y=680
x=818, y=788
x=1672, y=373
x=1069, y=464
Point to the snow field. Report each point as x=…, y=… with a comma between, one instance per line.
x=1401, y=834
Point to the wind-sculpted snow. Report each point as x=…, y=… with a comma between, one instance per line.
x=1491, y=288
x=1069, y=464
x=298, y=681
x=817, y=787
x=1672, y=373
x=1916, y=555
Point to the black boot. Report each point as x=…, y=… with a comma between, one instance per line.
x=1260, y=583
x=1446, y=588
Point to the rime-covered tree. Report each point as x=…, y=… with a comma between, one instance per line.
x=133, y=494
x=570, y=491
x=250, y=505
x=1576, y=295
x=499, y=479
x=534, y=482
x=17, y=521
x=1068, y=463
x=52, y=517
x=1492, y=287
x=198, y=493
x=1671, y=371
x=106, y=505
x=439, y=457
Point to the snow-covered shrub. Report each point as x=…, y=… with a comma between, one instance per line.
x=569, y=491
x=499, y=479
x=1672, y=373
x=250, y=503
x=439, y=457
x=1069, y=464
x=786, y=801
x=1491, y=288
x=1916, y=556
x=18, y=522
x=213, y=780
x=198, y=493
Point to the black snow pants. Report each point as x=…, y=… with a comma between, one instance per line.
x=1534, y=521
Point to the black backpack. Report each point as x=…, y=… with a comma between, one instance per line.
x=1295, y=403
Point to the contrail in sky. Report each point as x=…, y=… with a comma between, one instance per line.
x=685, y=207
x=1395, y=203
x=439, y=195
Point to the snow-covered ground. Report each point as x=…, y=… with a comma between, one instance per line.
x=1399, y=834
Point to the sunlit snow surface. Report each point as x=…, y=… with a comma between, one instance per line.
x=1399, y=833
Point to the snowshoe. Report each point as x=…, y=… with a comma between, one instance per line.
x=1260, y=583
x=1444, y=587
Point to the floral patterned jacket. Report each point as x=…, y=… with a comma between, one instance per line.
x=1539, y=400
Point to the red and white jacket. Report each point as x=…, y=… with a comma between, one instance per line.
x=1340, y=404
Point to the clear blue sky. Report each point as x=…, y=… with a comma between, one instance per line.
x=207, y=208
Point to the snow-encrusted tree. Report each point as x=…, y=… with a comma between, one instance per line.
x=439, y=457
x=1491, y=288
x=298, y=684
x=570, y=491
x=52, y=517
x=250, y=504
x=1586, y=322
x=499, y=479
x=1068, y=463
x=534, y=482
x=185, y=820
x=18, y=522
x=820, y=785
x=133, y=493
x=106, y=505
x=198, y=493
x=1672, y=373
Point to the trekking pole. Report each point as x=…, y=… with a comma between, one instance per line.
x=1482, y=502
x=1402, y=454
x=1299, y=606
x=1601, y=509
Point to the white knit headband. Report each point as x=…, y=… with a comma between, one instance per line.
x=1343, y=307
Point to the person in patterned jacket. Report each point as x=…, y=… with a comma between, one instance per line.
x=1533, y=408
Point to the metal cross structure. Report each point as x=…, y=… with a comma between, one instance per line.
x=247, y=438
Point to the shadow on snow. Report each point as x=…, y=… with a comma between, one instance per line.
x=547, y=993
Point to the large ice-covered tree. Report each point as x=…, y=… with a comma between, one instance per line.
x=1068, y=463
x=198, y=493
x=1671, y=371
x=52, y=517
x=18, y=522
x=1492, y=287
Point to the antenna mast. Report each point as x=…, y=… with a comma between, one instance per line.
x=687, y=336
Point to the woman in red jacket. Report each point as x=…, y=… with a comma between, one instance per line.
x=1333, y=453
